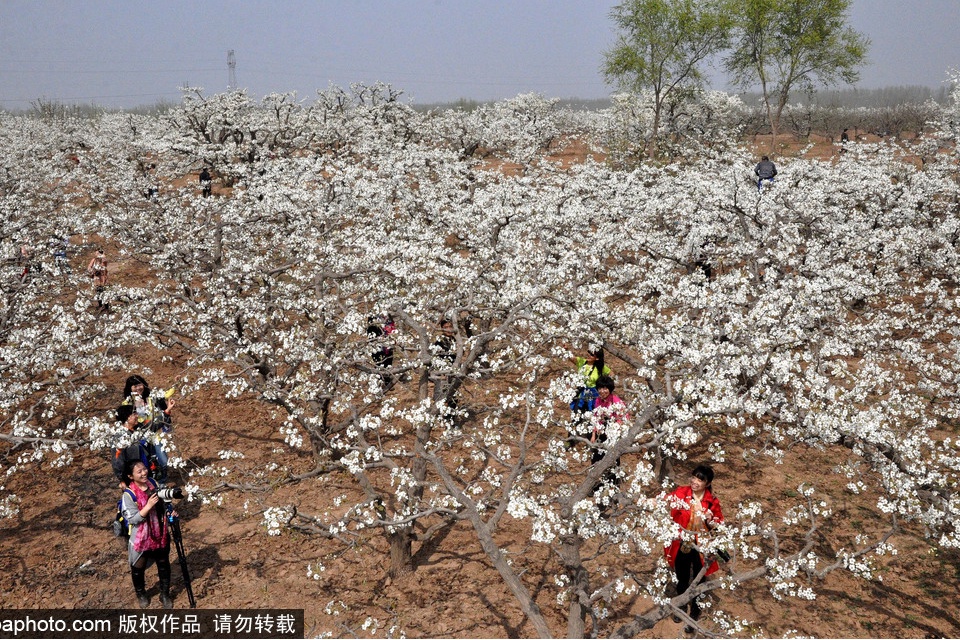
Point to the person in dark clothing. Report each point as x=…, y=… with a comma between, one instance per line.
x=765, y=170
x=379, y=329
x=445, y=346
x=444, y=350
x=206, y=182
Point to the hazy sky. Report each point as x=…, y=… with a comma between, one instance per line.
x=127, y=52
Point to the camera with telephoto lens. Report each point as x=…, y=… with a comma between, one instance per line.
x=170, y=493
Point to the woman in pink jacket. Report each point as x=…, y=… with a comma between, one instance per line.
x=607, y=408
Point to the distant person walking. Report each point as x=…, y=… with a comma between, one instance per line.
x=206, y=182
x=379, y=328
x=59, y=246
x=25, y=258
x=97, y=270
x=765, y=170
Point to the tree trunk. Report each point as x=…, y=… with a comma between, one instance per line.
x=401, y=552
x=579, y=585
x=774, y=120
x=655, y=134
x=493, y=551
x=401, y=541
x=527, y=604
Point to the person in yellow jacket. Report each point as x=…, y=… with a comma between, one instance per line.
x=152, y=410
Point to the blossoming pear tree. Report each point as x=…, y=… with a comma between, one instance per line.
x=816, y=314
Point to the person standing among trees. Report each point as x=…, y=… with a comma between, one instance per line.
x=206, y=182
x=153, y=413
x=608, y=409
x=609, y=416
x=589, y=370
x=380, y=328
x=444, y=350
x=141, y=448
x=445, y=346
x=58, y=247
x=25, y=258
x=97, y=270
x=149, y=541
x=697, y=511
x=765, y=170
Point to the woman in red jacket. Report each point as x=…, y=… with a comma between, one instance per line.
x=697, y=511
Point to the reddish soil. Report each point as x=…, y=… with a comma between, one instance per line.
x=58, y=552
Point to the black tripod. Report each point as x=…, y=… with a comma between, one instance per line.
x=181, y=554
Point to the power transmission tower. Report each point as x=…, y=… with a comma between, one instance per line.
x=232, y=65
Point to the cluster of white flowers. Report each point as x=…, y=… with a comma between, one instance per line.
x=292, y=435
x=315, y=569
x=8, y=505
x=782, y=578
x=276, y=518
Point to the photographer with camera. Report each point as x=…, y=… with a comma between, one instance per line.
x=144, y=512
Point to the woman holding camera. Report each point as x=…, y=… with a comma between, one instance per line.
x=149, y=534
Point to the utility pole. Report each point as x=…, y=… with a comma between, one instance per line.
x=232, y=66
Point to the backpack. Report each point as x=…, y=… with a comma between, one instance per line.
x=585, y=400
x=121, y=528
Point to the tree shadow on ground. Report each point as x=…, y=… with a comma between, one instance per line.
x=883, y=599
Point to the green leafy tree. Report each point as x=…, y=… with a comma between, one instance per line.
x=785, y=45
x=661, y=45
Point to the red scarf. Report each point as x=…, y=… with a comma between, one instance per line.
x=151, y=534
